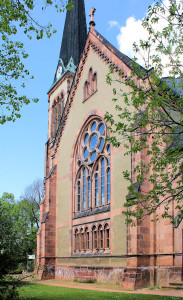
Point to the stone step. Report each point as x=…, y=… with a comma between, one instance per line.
x=172, y=287
x=177, y=283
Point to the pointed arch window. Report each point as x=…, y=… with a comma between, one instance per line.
x=93, y=187
x=96, y=189
x=79, y=195
x=84, y=189
x=55, y=121
x=89, y=192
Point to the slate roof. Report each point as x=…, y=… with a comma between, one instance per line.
x=124, y=58
x=175, y=84
x=75, y=33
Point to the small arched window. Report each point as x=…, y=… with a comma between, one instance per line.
x=58, y=113
x=87, y=239
x=55, y=120
x=82, y=241
x=94, y=238
x=101, y=237
x=106, y=236
x=76, y=240
x=90, y=85
x=62, y=103
x=94, y=82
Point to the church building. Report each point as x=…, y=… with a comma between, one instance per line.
x=82, y=232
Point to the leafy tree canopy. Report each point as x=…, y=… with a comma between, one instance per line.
x=150, y=117
x=15, y=16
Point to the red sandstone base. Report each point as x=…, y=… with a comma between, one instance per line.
x=130, y=278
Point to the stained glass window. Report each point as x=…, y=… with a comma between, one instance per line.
x=93, y=141
x=96, y=190
x=84, y=189
x=79, y=195
x=89, y=192
x=108, y=186
x=103, y=181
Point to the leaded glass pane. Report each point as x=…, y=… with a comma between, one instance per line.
x=86, y=153
x=94, y=126
x=101, y=129
x=89, y=192
x=101, y=239
x=86, y=139
x=93, y=156
x=108, y=186
x=96, y=190
x=103, y=181
x=88, y=240
x=79, y=195
x=93, y=141
x=101, y=144
x=109, y=149
x=84, y=189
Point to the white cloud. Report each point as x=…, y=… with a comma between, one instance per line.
x=133, y=31
x=113, y=24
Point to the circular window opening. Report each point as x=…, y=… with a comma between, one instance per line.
x=94, y=126
x=101, y=144
x=101, y=129
x=86, y=138
x=93, y=141
x=86, y=153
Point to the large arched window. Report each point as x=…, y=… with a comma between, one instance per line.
x=92, y=168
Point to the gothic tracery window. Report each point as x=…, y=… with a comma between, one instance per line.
x=92, y=181
x=92, y=189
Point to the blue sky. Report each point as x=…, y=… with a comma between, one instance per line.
x=22, y=142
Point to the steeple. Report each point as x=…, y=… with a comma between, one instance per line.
x=73, y=40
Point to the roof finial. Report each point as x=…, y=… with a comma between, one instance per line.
x=92, y=12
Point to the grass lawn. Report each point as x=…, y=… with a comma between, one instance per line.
x=43, y=292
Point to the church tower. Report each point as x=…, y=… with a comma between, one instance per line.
x=72, y=45
x=73, y=40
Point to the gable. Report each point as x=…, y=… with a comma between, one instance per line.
x=97, y=49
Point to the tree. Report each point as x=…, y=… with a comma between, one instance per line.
x=8, y=238
x=32, y=197
x=18, y=231
x=17, y=16
x=17, y=239
x=150, y=123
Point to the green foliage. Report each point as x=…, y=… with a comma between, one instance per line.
x=18, y=227
x=150, y=118
x=16, y=16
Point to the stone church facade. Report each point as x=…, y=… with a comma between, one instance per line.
x=82, y=229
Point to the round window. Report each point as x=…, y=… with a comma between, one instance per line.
x=93, y=141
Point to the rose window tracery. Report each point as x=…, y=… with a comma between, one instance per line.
x=93, y=176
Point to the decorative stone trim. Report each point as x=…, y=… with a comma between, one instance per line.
x=95, y=211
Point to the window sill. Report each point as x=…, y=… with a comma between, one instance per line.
x=89, y=96
x=96, y=252
x=96, y=210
